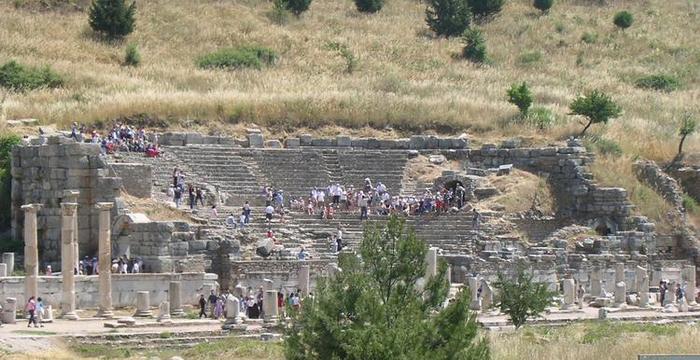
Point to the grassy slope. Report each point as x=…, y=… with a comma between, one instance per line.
x=405, y=78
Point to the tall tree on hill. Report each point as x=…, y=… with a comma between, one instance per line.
x=298, y=6
x=543, y=5
x=375, y=308
x=688, y=127
x=596, y=106
x=485, y=8
x=369, y=6
x=113, y=18
x=448, y=17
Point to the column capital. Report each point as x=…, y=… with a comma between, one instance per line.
x=70, y=196
x=104, y=206
x=32, y=207
x=69, y=208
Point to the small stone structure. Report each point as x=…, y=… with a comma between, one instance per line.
x=8, y=259
x=143, y=304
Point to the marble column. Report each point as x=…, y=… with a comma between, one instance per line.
x=690, y=284
x=143, y=304
x=595, y=283
x=105, y=259
x=164, y=312
x=642, y=279
x=71, y=196
x=430, y=263
x=670, y=297
x=620, y=295
x=3, y=269
x=69, y=214
x=9, y=311
x=569, y=293
x=619, y=272
x=486, y=295
x=475, y=303
x=233, y=310
x=31, y=252
x=175, y=295
x=8, y=258
x=270, y=305
x=303, y=276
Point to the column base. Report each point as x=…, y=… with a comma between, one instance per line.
x=177, y=313
x=143, y=313
x=107, y=314
x=71, y=315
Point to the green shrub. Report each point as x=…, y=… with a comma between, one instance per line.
x=17, y=77
x=369, y=6
x=484, y=8
x=132, y=57
x=7, y=142
x=608, y=147
x=623, y=19
x=113, y=18
x=297, y=6
x=474, y=46
x=540, y=117
x=448, y=17
x=529, y=58
x=589, y=38
x=690, y=204
x=543, y=5
x=254, y=57
x=658, y=82
x=596, y=106
x=279, y=13
x=520, y=96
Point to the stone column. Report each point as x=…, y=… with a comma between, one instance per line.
x=595, y=283
x=105, y=259
x=670, y=297
x=619, y=273
x=642, y=286
x=569, y=293
x=8, y=258
x=486, y=295
x=690, y=284
x=233, y=310
x=175, y=295
x=620, y=294
x=68, y=236
x=3, y=269
x=303, y=275
x=71, y=196
x=270, y=305
x=31, y=252
x=9, y=311
x=164, y=312
x=473, y=282
x=430, y=263
x=143, y=304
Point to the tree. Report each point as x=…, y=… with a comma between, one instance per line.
x=448, y=17
x=485, y=8
x=543, y=5
x=688, y=127
x=298, y=6
x=474, y=46
x=7, y=142
x=113, y=18
x=522, y=298
x=623, y=19
x=369, y=6
x=378, y=307
x=520, y=96
x=596, y=106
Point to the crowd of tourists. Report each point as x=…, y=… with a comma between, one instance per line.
x=121, y=137
x=251, y=304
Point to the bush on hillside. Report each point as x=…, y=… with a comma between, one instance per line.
x=474, y=46
x=522, y=298
x=688, y=126
x=132, y=57
x=623, y=19
x=112, y=18
x=279, y=13
x=369, y=6
x=520, y=96
x=658, y=82
x=448, y=17
x=543, y=5
x=297, y=6
x=596, y=106
x=589, y=38
x=690, y=205
x=7, y=142
x=603, y=146
x=540, y=117
x=254, y=57
x=485, y=8
x=17, y=77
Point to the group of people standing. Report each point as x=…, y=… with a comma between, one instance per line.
x=251, y=304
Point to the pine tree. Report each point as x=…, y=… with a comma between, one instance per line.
x=298, y=6
x=485, y=8
x=113, y=18
x=448, y=17
x=369, y=6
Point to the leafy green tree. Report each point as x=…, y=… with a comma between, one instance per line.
x=378, y=308
x=688, y=127
x=132, y=56
x=369, y=6
x=543, y=5
x=7, y=142
x=520, y=96
x=484, y=8
x=623, y=19
x=474, y=46
x=297, y=6
x=522, y=298
x=597, y=106
x=113, y=18
x=448, y=17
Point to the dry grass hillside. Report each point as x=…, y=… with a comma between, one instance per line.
x=404, y=79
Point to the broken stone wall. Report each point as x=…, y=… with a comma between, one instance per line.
x=689, y=177
x=137, y=179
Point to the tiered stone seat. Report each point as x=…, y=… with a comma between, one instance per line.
x=294, y=171
x=385, y=166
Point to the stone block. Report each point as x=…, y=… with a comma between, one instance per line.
x=417, y=142
x=359, y=143
x=305, y=140
x=273, y=144
x=343, y=141
x=292, y=143
x=387, y=144
x=323, y=142
x=255, y=140
x=373, y=143
x=193, y=138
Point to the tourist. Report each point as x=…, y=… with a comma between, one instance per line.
x=246, y=212
x=31, y=308
x=199, y=196
x=212, y=303
x=219, y=308
x=202, y=306
x=339, y=244
x=320, y=199
x=310, y=207
x=269, y=210
x=334, y=244
x=579, y=295
x=135, y=267
x=40, y=309
x=231, y=222
x=662, y=292
x=363, y=204
x=177, y=196
x=49, y=272
x=680, y=293
x=296, y=301
x=243, y=220
x=302, y=255
x=476, y=219
x=190, y=191
x=214, y=212
x=280, y=303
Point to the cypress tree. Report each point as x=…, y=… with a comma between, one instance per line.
x=113, y=18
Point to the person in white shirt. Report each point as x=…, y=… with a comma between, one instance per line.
x=269, y=210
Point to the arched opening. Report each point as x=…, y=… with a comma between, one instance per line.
x=604, y=227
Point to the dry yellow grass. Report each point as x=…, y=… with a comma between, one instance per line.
x=520, y=191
